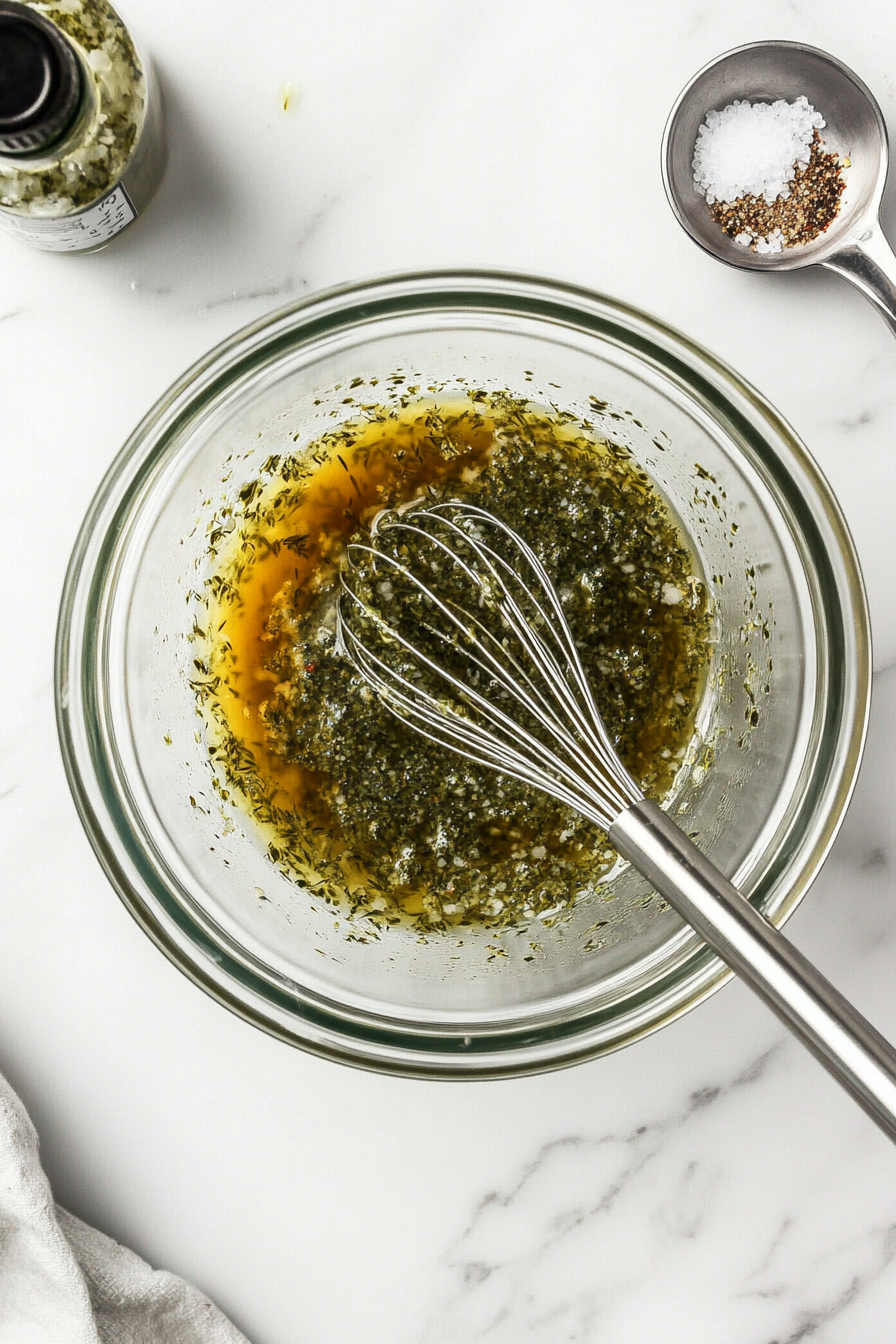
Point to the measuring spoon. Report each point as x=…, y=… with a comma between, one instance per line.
x=854, y=244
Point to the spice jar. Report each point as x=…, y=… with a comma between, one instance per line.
x=82, y=145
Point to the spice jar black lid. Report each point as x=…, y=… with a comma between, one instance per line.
x=40, y=80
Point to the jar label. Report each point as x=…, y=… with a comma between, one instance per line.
x=73, y=233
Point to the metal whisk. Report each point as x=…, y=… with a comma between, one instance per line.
x=451, y=618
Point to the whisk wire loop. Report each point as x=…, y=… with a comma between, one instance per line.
x=556, y=629
x=591, y=723
x=497, y=657
x=531, y=658
x=418, y=704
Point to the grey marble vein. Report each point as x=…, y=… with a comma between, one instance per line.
x=316, y=221
x=560, y=1203
x=768, y=1259
x=243, y=296
x=810, y=1319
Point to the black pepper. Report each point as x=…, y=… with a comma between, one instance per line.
x=796, y=219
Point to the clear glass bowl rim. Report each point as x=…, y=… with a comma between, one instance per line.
x=390, y=1047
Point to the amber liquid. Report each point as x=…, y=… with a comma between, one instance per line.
x=387, y=462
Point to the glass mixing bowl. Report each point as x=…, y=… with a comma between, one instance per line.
x=765, y=784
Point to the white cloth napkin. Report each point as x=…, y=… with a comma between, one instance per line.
x=62, y=1282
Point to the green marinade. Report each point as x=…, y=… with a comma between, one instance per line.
x=412, y=829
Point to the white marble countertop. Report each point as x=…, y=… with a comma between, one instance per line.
x=709, y=1183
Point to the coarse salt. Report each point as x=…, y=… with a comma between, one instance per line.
x=754, y=149
x=773, y=242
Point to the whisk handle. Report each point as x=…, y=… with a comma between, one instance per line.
x=845, y=1043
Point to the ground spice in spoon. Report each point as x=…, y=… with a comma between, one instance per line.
x=796, y=219
x=768, y=180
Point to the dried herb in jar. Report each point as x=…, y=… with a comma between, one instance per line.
x=82, y=145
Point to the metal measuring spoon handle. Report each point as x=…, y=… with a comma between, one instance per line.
x=869, y=263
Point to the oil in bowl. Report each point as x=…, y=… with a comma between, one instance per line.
x=382, y=823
